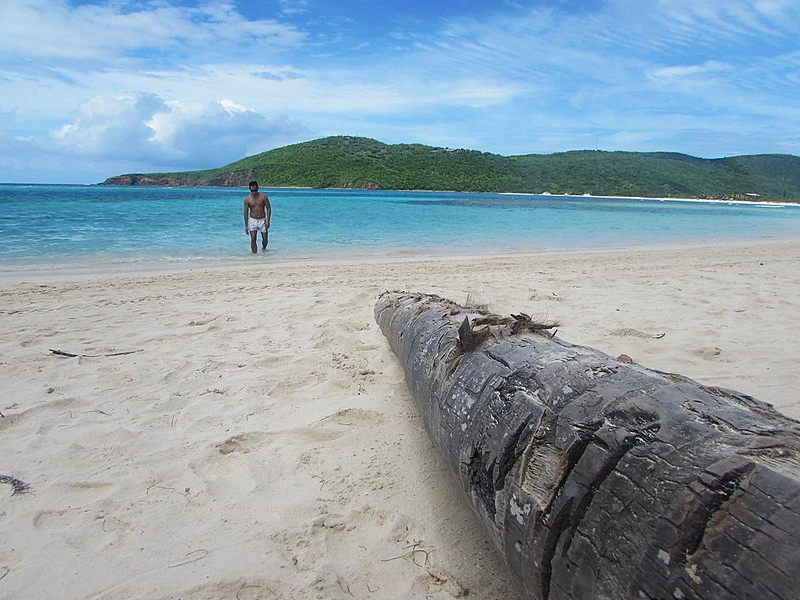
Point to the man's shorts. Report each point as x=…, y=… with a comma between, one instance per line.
x=256, y=225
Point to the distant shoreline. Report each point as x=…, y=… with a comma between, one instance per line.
x=421, y=191
x=661, y=199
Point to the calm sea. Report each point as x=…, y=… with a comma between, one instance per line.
x=45, y=226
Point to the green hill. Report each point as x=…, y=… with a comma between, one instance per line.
x=362, y=163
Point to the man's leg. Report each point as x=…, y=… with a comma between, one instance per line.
x=264, y=239
x=253, y=244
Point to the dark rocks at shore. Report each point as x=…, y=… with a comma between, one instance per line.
x=142, y=180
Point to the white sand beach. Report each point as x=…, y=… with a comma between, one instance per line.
x=246, y=432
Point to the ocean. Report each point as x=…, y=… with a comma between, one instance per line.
x=53, y=226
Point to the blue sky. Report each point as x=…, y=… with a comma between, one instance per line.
x=92, y=89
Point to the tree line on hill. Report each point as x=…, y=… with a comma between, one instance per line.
x=363, y=163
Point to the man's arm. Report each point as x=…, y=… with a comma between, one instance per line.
x=245, y=214
x=268, y=208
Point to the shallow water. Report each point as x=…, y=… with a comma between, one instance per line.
x=52, y=225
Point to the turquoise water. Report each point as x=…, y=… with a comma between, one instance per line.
x=52, y=225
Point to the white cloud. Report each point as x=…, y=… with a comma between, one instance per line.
x=113, y=127
x=146, y=129
x=681, y=71
x=294, y=7
x=100, y=34
x=711, y=21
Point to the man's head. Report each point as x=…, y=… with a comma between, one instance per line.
x=253, y=185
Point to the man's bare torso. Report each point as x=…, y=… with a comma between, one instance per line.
x=257, y=202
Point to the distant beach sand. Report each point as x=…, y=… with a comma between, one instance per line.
x=245, y=431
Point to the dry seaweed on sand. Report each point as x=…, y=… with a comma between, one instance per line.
x=17, y=486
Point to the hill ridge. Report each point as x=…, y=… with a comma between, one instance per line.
x=364, y=163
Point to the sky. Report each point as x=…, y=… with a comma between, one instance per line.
x=91, y=89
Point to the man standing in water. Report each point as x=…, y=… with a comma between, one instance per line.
x=257, y=213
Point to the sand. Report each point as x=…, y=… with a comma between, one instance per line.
x=256, y=438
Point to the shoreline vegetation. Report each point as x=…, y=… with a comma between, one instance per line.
x=347, y=162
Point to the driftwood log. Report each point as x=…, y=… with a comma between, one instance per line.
x=597, y=478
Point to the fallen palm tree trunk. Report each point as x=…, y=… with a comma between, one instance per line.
x=600, y=479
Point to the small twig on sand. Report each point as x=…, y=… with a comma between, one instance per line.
x=344, y=586
x=214, y=391
x=163, y=487
x=73, y=355
x=202, y=554
x=413, y=555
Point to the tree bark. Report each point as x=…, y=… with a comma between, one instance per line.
x=596, y=478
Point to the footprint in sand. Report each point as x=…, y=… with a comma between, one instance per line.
x=43, y=413
x=355, y=416
x=714, y=353
x=336, y=425
x=242, y=589
x=326, y=429
x=241, y=443
x=365, y=549
x=630, y=332
x=55, y=519
x=203, y=321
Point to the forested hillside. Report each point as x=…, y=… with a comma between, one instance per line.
x=363, y=163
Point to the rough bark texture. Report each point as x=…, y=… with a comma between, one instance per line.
x=602, y=479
